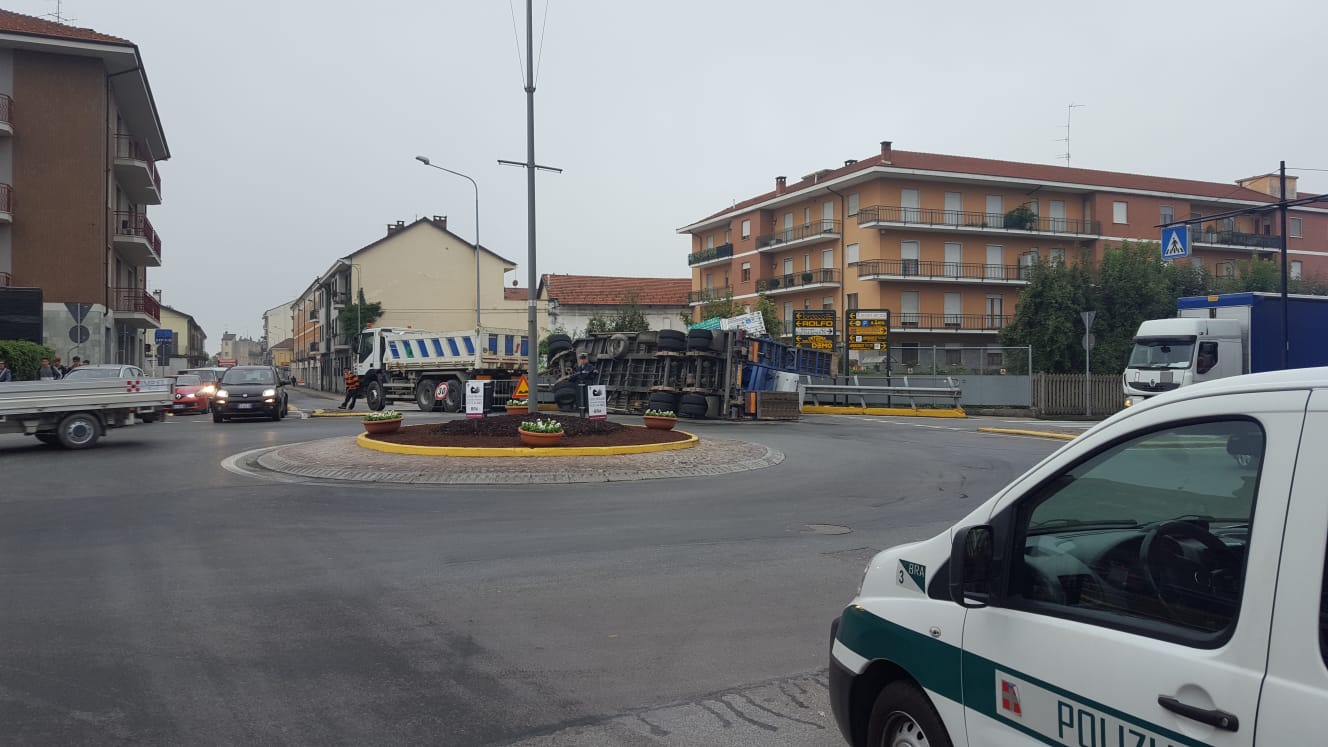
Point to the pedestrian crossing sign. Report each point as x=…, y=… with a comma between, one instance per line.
x=522, y=389
x=1175, y=242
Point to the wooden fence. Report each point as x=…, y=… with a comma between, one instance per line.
x=1062, y=395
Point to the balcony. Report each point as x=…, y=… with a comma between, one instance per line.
x=135, y=307
x=1211, y=236
x=5, y=280
x=6, y=115
x=713, y=254
x=136, y=170
x=136, y=239
x=6, y=203
x=808, y=233
x=706, y=295
x=799, y=281
x=943, y=272
x=912, y=321
x=931, y=219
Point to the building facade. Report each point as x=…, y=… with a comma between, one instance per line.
x=186, y=347
x=946, y=243
x=243, y=350
x=573, y=300
x=79, y=141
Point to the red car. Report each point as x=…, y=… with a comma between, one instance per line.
x=191, y=395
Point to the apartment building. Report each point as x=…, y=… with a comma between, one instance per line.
x=421, y=273
x=79, y=141
x=946, y=242
x=180, y=341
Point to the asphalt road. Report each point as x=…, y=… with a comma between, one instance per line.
x=150, y=596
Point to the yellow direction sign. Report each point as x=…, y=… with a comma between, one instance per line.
x=522, y=389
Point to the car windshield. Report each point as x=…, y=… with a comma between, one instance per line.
x=1162, y=352
x=256, y=376
x=187, y=380
x=93, y=373
x=203, y=375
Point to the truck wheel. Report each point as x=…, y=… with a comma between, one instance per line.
x=618, y=345
x=79, y=431
x=671, y=341
x=455, y=395
x=424, y=395
x=373, y=395
x=902, y=715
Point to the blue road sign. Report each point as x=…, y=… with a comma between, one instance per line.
x=1175, y=242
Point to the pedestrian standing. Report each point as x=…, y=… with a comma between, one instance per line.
x=78, y=361
x=59, y=366
x=5, y=373
x=47, y=372
x=352, y=389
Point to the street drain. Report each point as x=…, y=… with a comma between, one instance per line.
x=826, y=529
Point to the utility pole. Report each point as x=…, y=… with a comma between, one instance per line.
x=1286, y=308
x=1087, y=316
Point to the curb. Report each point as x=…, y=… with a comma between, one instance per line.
x=321, y=413
x=1034, y=434
x=890, y=411
x=364, y=442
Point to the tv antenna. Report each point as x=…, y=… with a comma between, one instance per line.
x=58, y=16
x=1069, y=110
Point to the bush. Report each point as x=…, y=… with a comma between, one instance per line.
x=660, y=414
x=24, y=358
x=542, y=426
x=383, y=415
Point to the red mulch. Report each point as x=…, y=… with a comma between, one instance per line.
x=500, y=431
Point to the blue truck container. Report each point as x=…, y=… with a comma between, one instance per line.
x=1261, y=317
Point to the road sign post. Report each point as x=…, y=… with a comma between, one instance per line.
x=1175, y=242
x=1088, y=341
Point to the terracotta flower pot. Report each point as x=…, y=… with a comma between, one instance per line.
x=517, y=409
x=378, y=427
x=530, y=438
x=659, y=424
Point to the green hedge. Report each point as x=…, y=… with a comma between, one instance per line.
x=24, y=358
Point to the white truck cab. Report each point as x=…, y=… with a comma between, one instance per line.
x=1172, y=353
x=1158, y=581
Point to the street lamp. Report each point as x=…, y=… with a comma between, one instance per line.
x=425, y=160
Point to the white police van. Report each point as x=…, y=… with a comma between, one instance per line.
x=1158, y=582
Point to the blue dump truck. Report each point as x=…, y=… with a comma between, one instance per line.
x=1212, y=337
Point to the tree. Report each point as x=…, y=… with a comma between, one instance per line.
x=726, y=308
x=354, y=317
x=628, y=318
x=23, y=358
x=1047, y=317
x=770, y=315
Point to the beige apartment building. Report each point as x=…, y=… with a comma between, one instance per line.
x=187, y=344
x=946, y=242
x=79, y=141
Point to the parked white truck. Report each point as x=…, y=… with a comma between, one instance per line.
x=404, y=365
x=76, y=414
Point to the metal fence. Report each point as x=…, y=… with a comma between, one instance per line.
x=1062, y=395
x=942, y=360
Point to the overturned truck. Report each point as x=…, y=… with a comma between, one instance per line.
x=699, y=373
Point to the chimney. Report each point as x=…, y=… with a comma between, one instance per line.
x=780, y=183
x=440, y=221
x=850, y=161
x=394, y=227
x=885, y=151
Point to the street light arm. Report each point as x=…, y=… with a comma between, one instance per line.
x=425, y=160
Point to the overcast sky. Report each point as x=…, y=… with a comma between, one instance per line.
x=293, y=124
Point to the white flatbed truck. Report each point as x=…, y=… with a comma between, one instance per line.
x=76, y=414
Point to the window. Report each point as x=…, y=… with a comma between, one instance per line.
x=995, y=210
x=908, y=252
x=788, y=265
x=995, y=360
x=908, y=353
x=851, y=253
x=1033, y=205
x=806, y=303
x=807, y=262
x=1207, y=357
x=954, y=259
x=710, y=242
x=746, y=229
x=728, y=235
x=1149, y=535
x=1196, y=261
x=1118, y=212
x=1225, y=269
x=853, y=202
x=1295, y=269
x=827, y=302
x=909, y=204
x=852, y=300
x=908, y=308
x=828, y=258
x=746, y=272
x=788, y=316
x=710, y=281
x=1056, y=256
x=954, y=308
x=954, y=207
x=995, y=262
x=806, y=216
x=1166, y=214
x=1293, y=228
x=954, y=356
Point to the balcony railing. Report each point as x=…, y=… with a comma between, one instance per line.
x=952, y=271
x=723, y=251
x=1214, y=235
x=964, y=219
x=815, y=229
x=5, y=280
x=137, y=224
x=130, y=149
x=6, y=113
x=706, y=295
x=912, y=320
x=798, y=280
x=6, y=199
x=135, y=301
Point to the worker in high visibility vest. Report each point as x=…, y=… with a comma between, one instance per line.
x=352, y=390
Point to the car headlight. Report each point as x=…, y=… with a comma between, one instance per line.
x=209, y=389
x=222, y=394
x=269, y=392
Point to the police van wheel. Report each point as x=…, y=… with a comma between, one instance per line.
x=903, y=717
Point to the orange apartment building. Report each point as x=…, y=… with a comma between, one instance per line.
x=945, y=242
x=79, y=138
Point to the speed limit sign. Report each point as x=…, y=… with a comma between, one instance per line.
x=441, y=392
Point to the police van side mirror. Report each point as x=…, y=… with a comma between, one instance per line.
x=971, y=558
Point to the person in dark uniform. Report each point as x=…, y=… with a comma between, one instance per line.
x=583, y=376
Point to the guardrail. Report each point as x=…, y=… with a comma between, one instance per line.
x=950, y=392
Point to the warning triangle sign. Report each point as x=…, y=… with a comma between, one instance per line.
x=1174, y=247
x=522, y=389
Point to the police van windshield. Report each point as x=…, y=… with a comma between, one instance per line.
x=1162, y=352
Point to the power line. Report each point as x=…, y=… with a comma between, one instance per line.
x=516, y=37
x=543, y=27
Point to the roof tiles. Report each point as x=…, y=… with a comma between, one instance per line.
x=600, y=290
x=18, y=23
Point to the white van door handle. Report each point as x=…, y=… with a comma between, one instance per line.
x=1211, y=716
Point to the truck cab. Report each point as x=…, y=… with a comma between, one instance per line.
x=1172, y=353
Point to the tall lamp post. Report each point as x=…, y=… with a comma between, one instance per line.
x=425, y=160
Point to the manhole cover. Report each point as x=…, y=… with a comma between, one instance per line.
x=826, y=529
